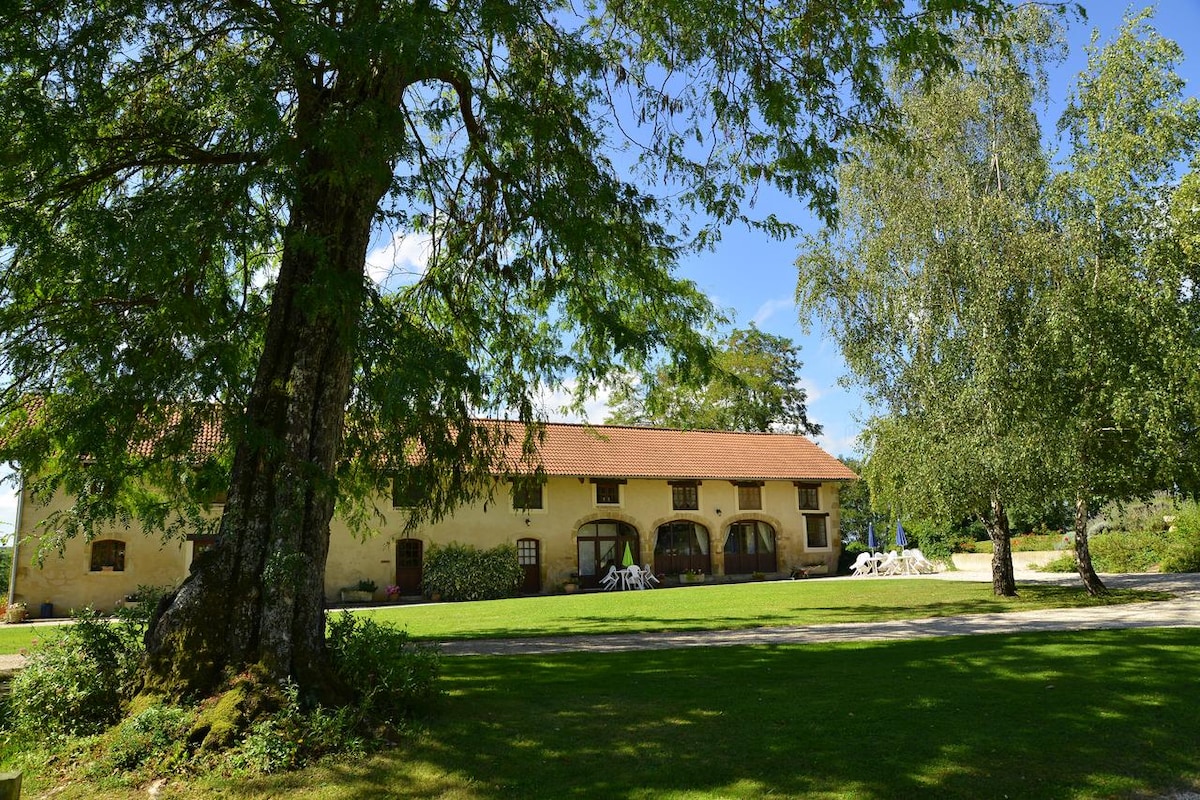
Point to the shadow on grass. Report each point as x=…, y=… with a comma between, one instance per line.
x=1077, y=715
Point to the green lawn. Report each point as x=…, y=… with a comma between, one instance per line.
x=1090, y=714
x=718, y=607
x=730, y=606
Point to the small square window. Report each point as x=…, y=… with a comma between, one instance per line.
x=526, y=494
x=810, y=498
x=108, y=555
x=817, y=533
x=685, y=497
x=749, y=497
x=608, y=493
x=404, y=494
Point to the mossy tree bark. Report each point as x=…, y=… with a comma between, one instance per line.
x=256, y=600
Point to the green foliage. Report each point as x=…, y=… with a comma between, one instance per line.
x=75, y=680
x=5, y=568
x=390, y=676
x=1031, y=543
x=152, y=741
x=925, y=282
x=754, y=385
x=366, y=586
x=464, y=572
x=1152, y=547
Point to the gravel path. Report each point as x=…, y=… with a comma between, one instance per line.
x=1184, y=611
x=1181, y=612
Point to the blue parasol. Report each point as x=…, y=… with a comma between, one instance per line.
x=901, y=539
x=872, y=543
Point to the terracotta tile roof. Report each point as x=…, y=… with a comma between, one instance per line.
x=636, y=452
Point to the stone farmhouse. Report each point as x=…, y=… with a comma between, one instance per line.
x=719, y=504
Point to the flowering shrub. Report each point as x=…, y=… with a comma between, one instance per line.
x=393, y=592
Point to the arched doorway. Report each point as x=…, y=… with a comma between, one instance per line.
x=602, y=544
x=682, y=546
x=410, y=558
x=750, y=547
x=529, y=556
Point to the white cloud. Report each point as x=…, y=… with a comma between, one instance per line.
x=402, y=256
x=771, y=308
x=556, y=402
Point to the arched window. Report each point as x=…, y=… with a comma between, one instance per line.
x=681, y=545
x=603, y=543
x=108, y=555
x=749, y=547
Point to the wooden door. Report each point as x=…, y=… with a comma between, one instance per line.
x=410, y=554
x=529, y=556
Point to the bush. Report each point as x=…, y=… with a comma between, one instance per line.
x=73, y=683
x=293, y=737
x=462, y=572
x=1183, y=548
x=389, y=676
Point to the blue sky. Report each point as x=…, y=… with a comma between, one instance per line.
x=754, y=279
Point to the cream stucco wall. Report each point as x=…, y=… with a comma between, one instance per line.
x=67, y=581
x=570, y=503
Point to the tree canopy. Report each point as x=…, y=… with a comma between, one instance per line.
x=190, y=190
x=754, y=385
x=1017, y=327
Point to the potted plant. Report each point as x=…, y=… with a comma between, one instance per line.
x=691, y=576
x=758, y=576
x=393, y=593
x=571, y=584
x=362, y=592
x=17, y=612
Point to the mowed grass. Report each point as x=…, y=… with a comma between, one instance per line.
x=730, y=606
x=1092, y=714
x=699, y=608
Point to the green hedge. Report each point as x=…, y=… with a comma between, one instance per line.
x=462, y=572
x=1039, y=542
x=1175, y=550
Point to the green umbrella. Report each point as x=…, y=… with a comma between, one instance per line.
x=627, y=560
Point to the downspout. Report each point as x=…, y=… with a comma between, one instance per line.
x=16, y=538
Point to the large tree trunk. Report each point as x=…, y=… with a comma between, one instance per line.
x=1083, y=554
x=255, y=602
x=1004, y=583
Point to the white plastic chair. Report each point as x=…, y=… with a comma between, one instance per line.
x=863, y=565
x=890, y=564
x=922, y=564
x=648, y=577
x=631, y=577
x=610, y=579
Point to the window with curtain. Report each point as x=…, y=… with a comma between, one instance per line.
x=749, y=496
x=685, y=496
x=810, y=496
x=749, y=547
